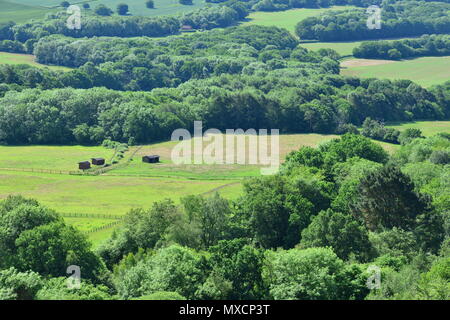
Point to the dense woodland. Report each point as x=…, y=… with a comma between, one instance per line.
x=247, y=77
x=399, y=19
x=434, y=45
x=322, y=221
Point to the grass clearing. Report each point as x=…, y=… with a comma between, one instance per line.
x=18, y=58
x=99, y=194
x=136, y=7
x=425, y=71
x=428, y=128
x=167, y=168
x=18, y=11
x=343, y=48
x=124, y=188
x=287, y=19
x=64, y=158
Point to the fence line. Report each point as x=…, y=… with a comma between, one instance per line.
x=106, y=226
x=91, y=215
x=77, y=173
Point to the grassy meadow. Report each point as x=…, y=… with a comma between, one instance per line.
x=136, y=7
x=137, y=184
x=345, y=49
x=63, y=158
x=425, y=71
x=287, y=19
x=18, y=58
x=21, y=11
x=428, y=128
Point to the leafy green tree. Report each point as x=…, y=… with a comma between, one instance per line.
x=49, y=249
x=18, y=215
x=210, y=215
x=279, y=209
x=395, y=243
x=103, y=10
x=57, y=289
x=174, y=269
x=122, y=9
x=408, y=135
x=141, y=229
x=306, y=156
x=342, y=232
x=313, y=274
x=387, y=199
x=349, y=146
x=15, y=285
x=435, y=284
x=239, y=265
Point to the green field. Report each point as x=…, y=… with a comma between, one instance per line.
x=287, y=19
x=63, y=158
x=343, y=48
x=428, y=128
x=21, y=11
x=17, y=58
x=135, y=185
x=207, y=172
x=99, y=194
x=426, y=71
x=136, y=7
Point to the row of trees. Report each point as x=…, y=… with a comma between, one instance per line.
x=376, y=130
x=434, y=45
x=62, y=116
x=399, y=19
x=120, y=26
x=309, y=232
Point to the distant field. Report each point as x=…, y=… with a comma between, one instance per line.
x=137, y=185
x=426, y=71
x=21, y=11
x=211, y=171
x=343, y=48
x=16, y=58
x=99, y=194
x=137, y=7
x=64, y=158
x=428, y=128
x=287, y=19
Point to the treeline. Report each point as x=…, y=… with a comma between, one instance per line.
x=120, y=26
x=434, y=45
x=281, y=5
x=252, y=77
x=399, y=19
x=376, y=130
x=310, y=232
x=143, y=64
x=329, y=105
